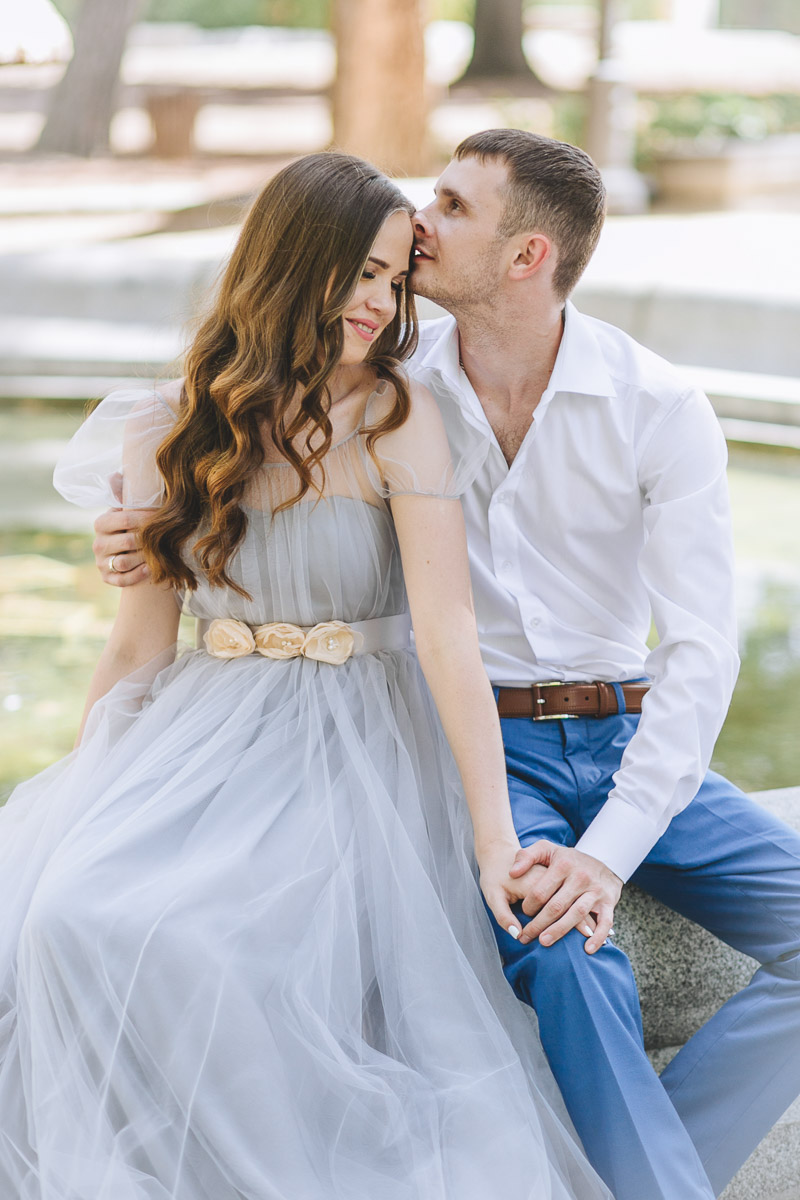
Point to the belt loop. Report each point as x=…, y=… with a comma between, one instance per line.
x=622, y=707
x=603, y=699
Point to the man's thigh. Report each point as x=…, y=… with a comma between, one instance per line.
x=566, y=766
x=730, y=865
x=541, y=784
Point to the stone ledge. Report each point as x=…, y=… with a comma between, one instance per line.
x=773, y=1165
x=684, y=975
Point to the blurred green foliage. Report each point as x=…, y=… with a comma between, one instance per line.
x=56, y=616
x=309, y=14
x=315, y=14
x=708, y=118
x=306, y=14
x=569, y=118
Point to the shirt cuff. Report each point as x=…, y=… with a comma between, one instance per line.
x=620, y=836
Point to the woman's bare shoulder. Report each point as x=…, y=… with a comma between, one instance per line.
x=169, y=392
x=384, y=395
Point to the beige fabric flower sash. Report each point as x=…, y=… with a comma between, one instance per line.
x=328, y=642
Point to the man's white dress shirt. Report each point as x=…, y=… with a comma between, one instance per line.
x=615, y=507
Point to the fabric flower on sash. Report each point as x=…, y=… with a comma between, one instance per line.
x=328, y=642
x=227, y=638
x=279, y=640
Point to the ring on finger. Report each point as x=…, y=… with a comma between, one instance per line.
x=114, y=570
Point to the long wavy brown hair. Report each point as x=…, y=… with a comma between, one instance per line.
x=275, y=330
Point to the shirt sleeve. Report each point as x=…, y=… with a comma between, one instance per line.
x=686, y=565
x=417, y=459
x=111, y=460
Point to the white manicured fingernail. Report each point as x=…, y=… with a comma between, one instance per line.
x=611, y=933
x=586, y=931
x=513, y=931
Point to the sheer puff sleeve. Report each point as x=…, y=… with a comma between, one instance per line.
x=417, y=459
x=111, y=459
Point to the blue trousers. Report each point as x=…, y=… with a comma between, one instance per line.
x=726, y=864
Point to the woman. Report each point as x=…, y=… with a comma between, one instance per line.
x=244, y=955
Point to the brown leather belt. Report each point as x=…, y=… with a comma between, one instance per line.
x=562, y=701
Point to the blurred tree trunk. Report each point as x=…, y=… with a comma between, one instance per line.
x=499, y=27
x=82, y=103
x=380, y=103
x=610, y=15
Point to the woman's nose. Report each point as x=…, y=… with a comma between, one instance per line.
x=382, y=301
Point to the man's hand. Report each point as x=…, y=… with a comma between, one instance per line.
x=117, y=537
x=574, y=890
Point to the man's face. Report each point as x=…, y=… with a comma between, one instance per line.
x=458, y=261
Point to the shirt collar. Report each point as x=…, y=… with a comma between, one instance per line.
x=443, y=354
x=580, y=367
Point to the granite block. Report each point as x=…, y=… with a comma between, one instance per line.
x=684, y=975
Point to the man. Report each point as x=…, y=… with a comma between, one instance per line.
x=602, y=499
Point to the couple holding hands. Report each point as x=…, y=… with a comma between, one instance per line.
x=246, y=947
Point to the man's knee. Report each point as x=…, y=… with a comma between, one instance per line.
x=785, y=968
x=562, y=966
x=563, y=973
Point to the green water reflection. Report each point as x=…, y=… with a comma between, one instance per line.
x=759, y=746
x=55, y=615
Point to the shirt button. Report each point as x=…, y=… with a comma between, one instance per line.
x=504, y=498
x=534, y=621
x=506, y=565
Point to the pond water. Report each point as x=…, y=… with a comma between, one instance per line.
x=55, y=613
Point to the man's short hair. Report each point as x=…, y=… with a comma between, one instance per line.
x=554, y=188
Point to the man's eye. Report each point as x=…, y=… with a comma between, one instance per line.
x=455, y=205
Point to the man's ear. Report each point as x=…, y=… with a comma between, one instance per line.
x=532, y=252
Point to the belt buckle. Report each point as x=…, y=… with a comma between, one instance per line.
x=541, y=700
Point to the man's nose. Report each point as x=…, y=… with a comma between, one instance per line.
x=421, y=223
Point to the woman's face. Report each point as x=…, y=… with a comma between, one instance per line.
x=374, y=301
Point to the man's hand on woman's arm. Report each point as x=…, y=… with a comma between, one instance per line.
x=117, y=538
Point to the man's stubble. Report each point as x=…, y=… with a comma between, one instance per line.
x=465, y=288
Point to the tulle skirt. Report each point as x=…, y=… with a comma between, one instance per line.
x=244, y=957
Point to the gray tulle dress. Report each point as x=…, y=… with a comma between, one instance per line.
x=243, y=952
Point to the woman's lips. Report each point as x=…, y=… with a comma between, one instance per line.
x=364, y=330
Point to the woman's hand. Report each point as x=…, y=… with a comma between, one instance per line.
x=499, y=889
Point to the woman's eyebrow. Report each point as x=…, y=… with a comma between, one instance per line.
x=380, y=263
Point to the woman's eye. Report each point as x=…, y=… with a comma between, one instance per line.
x=368, y=275
x=397, y=287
